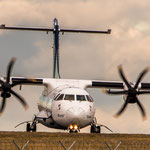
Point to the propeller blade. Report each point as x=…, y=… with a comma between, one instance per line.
x=122, y=108
x=1, y=82
x=3, y=105
x=141, y=75
x=122, y=75
x=141, y=108
x=20, y=98
x=9, y=69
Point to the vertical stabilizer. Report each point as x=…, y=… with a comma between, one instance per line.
x=56, y=73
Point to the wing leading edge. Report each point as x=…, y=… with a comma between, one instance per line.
x=84, y=83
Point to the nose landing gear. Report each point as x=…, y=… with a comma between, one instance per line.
x=95, y=129
x=73, y=128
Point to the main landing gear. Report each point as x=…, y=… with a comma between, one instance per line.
x=97, y=128
x=31, y=127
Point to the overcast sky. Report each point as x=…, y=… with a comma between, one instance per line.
x=82, y=56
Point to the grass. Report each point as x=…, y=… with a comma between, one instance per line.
x=45, y=141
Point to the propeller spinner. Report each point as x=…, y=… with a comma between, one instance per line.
x=6, y=88
x=132, y=92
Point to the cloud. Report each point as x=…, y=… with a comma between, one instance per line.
x=41, y=61
x=143, y=26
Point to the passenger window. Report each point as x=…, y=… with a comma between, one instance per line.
x=89, y=98
x=69, y=97
x=81, y=98
x=60, y=97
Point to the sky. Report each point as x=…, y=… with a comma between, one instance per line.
x=82, y=56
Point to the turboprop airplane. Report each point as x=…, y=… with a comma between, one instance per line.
x=65, y=103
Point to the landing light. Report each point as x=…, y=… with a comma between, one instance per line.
x=75, y=127
x=71, y=127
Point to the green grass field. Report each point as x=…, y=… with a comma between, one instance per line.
x=84, y=141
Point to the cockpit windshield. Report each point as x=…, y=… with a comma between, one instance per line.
x=89, y=98
x=81, y=98
x=72, y=97
x=59, y=97
x=69, y=97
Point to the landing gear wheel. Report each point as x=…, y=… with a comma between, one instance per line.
x=28, y=127
x=34, y=128
x=98, y=129
x=71, y=131
x=95, y=129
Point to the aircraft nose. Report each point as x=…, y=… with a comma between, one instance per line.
x=75, y=113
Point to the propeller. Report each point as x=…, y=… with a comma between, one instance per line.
x=131, y=93
x=6, y=88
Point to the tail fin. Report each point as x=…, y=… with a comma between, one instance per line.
x=56, y=73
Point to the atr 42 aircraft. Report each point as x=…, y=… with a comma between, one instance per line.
x=64, y=103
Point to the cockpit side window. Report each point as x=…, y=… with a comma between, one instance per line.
x=60, y=97
x=69, y=97
x=89, y=98
x=56, y=97
x=81, y=98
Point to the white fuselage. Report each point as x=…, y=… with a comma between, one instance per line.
x=67, y=105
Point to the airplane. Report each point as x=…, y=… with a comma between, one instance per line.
x=65, y=103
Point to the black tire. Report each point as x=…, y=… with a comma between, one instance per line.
x=28, y=127
x=98, y=129
x=34, y=128
x=93, y=129
x=71, y=131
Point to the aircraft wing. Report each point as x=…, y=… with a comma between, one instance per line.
x=107, y=84
x=82, y=83
x=26, y=81
x=115, y=85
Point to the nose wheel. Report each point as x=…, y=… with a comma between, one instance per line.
x=73, y=128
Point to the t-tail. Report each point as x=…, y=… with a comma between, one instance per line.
x=56, y=30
